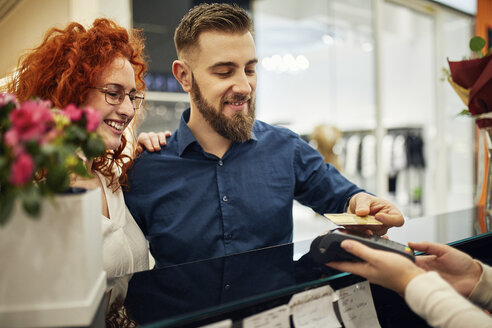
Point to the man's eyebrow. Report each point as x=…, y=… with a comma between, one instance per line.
x=231, y=64
x=252, y=61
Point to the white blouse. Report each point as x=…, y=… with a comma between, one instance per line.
x=125, y=248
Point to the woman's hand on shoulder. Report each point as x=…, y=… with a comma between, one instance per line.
x=151, y=141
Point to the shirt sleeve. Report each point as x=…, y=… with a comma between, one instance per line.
x=482, y=293
x=320, y=185
x=440, y=305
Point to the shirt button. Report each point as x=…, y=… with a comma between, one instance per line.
x=221, y=163
x=229, y=236
x=227, y=286
x=225, y=198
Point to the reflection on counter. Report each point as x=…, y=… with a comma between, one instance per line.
x=239, y=286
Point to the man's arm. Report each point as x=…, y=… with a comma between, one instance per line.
x=322, y=187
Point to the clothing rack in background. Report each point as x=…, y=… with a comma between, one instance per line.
x=403, y=163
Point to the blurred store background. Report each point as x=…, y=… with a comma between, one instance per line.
x=361, y=80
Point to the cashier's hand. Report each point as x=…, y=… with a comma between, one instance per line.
x=151, y=141
x=459, y=269
x=383, y=268
x=363, y=204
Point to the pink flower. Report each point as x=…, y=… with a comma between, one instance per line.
x=11, y=138
x=32, y=120
x=6, y=98
x=22, y=170
x=73, y=112
x=49, y=136
x=93, y=119
x=44, y=103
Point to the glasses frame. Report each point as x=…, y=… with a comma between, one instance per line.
x=135, y=97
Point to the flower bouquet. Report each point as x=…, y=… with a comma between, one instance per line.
x=39, y=148
x=472, y=81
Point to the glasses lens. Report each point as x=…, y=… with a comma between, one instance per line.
x=114, y=94
x=137, y=99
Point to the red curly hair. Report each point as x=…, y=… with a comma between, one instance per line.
x=69, y=62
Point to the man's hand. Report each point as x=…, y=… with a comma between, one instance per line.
x=363, y=204
x=387, y=269
x=454, y=266
x=151, y=141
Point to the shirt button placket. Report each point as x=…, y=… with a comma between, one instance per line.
x=225, y=199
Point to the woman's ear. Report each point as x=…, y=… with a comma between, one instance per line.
x=182, y=73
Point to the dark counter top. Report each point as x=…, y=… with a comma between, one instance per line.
x=236, y=286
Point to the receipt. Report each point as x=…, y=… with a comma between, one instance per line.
x=276, y=318
x=314, y=308
x=357, y=307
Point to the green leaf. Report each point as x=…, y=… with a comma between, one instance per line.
x=57, y=179
x=75, y=133
x=31, y=201
x=6, y=207
x=476, y=45
x=81, y=170
x=3, y=162
x=464, y=112
x=5, y=112
x=94, y=147
x=48, y=149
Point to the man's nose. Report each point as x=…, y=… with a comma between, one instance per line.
x=242, y=84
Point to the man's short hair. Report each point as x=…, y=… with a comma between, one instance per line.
x=210, y=17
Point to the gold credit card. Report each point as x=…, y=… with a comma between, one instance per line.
x=352, y=219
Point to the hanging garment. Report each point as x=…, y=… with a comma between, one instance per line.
x=368, y=156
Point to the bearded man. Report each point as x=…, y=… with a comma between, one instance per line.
x=225, y=182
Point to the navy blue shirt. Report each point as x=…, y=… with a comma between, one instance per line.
x=193, y=205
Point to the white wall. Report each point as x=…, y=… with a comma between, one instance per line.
x=338, y=86
x=25, y=25
x=24, y=28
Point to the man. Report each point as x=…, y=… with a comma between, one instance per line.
x=225, y=183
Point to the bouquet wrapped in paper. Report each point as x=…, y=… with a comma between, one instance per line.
x=472, y=81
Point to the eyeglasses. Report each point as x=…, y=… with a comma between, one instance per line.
x=114, y=94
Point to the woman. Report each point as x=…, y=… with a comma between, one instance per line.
x=101, y=67
x=435, y=287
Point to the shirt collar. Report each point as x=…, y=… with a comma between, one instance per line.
x=186, y=137
x=253, y=135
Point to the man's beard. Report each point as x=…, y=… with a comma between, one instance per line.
x=236, y=128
